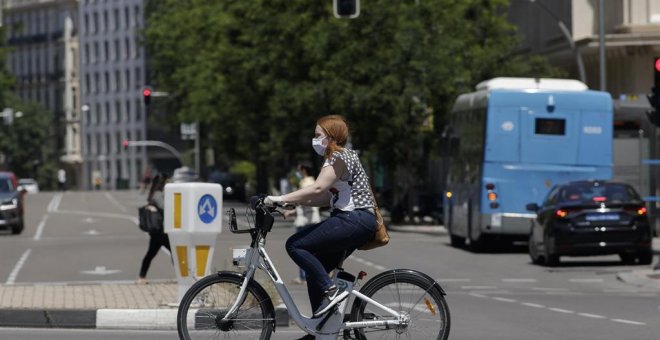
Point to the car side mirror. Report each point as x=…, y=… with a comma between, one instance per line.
x=532, y=207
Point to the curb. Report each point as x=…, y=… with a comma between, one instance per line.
x=137, y=319
x=642, y=278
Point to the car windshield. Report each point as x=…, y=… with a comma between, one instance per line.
x=6, y=185
x=606, y=192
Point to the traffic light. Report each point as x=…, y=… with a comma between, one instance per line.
x=146, y=95
x=124, y=144
x=346, y=9
x=654, y=97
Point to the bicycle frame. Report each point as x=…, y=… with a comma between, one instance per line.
x=325, y=327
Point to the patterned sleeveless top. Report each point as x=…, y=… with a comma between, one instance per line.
x=351, y=191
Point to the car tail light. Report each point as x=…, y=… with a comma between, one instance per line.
x=638, y=210
x=561, y=213
x=599, y=199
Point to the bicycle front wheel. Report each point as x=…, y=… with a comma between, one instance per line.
x=413, y=294
x=206, y=303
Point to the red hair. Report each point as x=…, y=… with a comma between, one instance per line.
x=336, y=128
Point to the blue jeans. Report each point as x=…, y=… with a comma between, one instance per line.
x=319, y=248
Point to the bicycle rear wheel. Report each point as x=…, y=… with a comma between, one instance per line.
x=203, y=307
x=411, y=293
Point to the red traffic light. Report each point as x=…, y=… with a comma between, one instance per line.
x=124, y=143
x=657, y=64
x=146, y=92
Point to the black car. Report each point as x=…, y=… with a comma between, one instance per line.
x=590, y=218
x=11, y=203
x=233, y=185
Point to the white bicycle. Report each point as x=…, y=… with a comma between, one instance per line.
x=397, y=303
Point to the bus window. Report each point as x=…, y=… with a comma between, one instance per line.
x=550, y=126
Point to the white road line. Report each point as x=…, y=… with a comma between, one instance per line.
x=529, y=304
x=55, y=202
x=549, y=289
x=100, y=214
x=629, y=322
x=595, y=316
x=453, y=280
x=504, y=299
x=479, y=287
x=368, y=263
x=40, y=228
x=114, y=201
x=566, y=311
x=17, y=268
x=518, y=280
x=585, y=280
x=478, y=295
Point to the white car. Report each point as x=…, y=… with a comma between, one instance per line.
x=29, y=184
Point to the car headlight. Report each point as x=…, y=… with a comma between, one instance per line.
x=9, y=205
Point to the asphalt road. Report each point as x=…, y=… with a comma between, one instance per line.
x=92, y=236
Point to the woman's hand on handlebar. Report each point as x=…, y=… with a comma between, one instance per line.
x=276, y=202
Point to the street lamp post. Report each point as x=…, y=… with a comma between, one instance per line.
x=567, y=34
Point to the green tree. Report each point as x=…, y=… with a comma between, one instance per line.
x=259, y=73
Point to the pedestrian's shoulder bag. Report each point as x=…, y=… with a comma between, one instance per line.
x=381, y=237
x=149, y=221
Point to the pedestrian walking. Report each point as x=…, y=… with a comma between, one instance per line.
x=157, y=238
x=61, y=179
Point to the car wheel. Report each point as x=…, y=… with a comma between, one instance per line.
x=551, y=259
x=457, y=241
x=17, y=228
x=645, y=257
x=628, y=258
x=533, y=250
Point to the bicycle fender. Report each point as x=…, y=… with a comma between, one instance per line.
x=411, y=271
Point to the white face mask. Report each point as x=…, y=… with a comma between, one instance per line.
x=317, y=144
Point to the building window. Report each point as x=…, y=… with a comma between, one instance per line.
x=96, y=52
x=138, y=78
x=116, y=19
x=128, y=111
x=127, y=79
x=127, y=46
x=118, y=111
x=86, y=55
x=138, y=110
x=105, y=21
x=107, y=112
x=107, y=50
x=95, y=21
x=117, y=82
x=97, y=85
x=87, y=84
x=106, y=77
x=86, y=23
x=117, y=48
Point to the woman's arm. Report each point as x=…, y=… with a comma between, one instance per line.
x=317, y=193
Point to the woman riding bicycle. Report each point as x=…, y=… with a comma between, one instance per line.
x=344, y=186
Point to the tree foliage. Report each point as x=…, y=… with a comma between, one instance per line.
x=259, y=73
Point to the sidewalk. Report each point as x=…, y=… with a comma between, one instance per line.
x=108, y=306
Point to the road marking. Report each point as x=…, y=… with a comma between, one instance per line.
x=17, y=268
x=55, y=202
x=585, y=280
x=479, y=287
x=367, y=263
x=478, y=295
x=629, y=322
x=549, y=289
x=101, y=270
x=40, y=228
x=529, y=304
x=453, y=280
x=518, y=280
x=504, y=299
x=595, y=316
x=114, y=201
x=100, y=214
x=566, y=311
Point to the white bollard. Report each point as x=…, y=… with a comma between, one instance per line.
x=193, y=219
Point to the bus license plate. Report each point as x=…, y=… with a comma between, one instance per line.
x=603, y=217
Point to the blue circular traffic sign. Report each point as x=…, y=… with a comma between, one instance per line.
x=207, y=209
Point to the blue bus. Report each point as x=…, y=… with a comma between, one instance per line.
x=510, y=141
